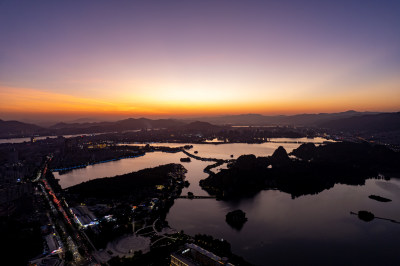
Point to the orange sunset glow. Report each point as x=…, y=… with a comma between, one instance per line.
x=126, y=63
x=17, y=100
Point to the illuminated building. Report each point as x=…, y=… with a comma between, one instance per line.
x=192, y=254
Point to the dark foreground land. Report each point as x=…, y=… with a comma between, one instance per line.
x=310, y=170
x=158, y=186
x=135, y=185
x=137, y=200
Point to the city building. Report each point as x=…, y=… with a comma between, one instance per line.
x=83, y=216
x=193, y=255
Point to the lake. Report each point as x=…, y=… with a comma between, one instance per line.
x=309, y=230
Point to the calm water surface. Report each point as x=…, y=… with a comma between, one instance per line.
x=309, y=230
x=224, y=151
x=153, y=159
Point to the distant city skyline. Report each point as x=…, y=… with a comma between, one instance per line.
x=107, y=59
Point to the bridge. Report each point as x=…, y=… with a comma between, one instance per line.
x=295, y=142
x=197, y=197
x=205, y=159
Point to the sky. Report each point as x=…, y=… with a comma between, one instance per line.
x=197, y=58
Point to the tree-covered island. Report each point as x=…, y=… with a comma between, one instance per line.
x=308, y=169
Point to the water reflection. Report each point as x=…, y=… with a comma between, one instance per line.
x=224, y=151
x=309, y=230
x=154, y=159
x=319, y=226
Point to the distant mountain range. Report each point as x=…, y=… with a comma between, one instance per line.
x=16, y=128
x=295, y=120
x=200, y=126
x=118, y=126
x=350, y=121
x=372, y=123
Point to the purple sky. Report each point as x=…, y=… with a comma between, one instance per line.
x=198, y=57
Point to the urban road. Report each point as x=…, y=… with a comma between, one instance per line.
x=77, y=241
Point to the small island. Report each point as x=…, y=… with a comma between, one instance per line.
x=366, y=216
x=185, y=160
x=379, y=198
x=236, y=219
x=186, y=183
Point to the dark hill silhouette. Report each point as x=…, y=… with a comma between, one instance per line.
x=63, y=125
x=18, y=129
x=201, y=126
x=350, y=120
x=11, y=128
x=279, y=157
x=263, y=120
x=376, y=122
x=132, y=123
x=118, y=126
